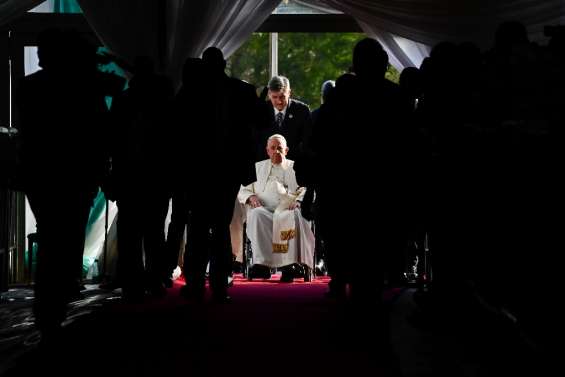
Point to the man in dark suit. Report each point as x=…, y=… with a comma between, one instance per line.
x=62, y=163
x=284, y=116
x=219, y=148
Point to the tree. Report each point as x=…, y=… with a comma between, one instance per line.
x=307, y=59
x=251, y=61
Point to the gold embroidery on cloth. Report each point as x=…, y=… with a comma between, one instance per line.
x=280, y=247
x=287, y=234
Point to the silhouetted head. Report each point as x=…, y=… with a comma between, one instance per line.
x=192, y=71
x=443, y=62
x=327, y=87
x=469, y=56
x=279, y=92
x=510, y=33
x=83, y=53
x=345, y=82
x=556, y=42
x=50, y=48
x=369, y=58
x=214, y=61
x=444, y=53
x=65, y=51
x=410, y=81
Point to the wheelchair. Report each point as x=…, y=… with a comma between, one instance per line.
x=307, y=272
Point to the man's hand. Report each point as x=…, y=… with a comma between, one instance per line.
x=254, y=201
x=294, y=205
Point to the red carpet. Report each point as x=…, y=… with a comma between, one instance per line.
x=270, y=328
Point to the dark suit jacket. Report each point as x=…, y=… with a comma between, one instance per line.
x=296, y=128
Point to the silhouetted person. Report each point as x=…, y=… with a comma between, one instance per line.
x=141, y=179
x=304, y=175
x=62, y=114
x=410, y=82
x=220, y=148
x=327, y=87
x=190, y=93
x=412, y=258
x=264, y=95
x=364, y=120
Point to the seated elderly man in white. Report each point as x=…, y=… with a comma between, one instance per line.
x=279, y=235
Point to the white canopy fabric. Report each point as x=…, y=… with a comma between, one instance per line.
x=192, y=26
x=402, y=52
x=173, y=30
x=432, y=21
x=12, y=9
x=408, y=29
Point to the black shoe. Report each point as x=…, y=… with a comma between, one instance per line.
x=258, y=271
x=336, y=290
x=298, y=271
x=237, y=267
x=109, y=285
x=287, y=277
x=133, y=295
x=168, y=283
x=221, y=298
x=158, y=290
x=192, y=294
x=74, y=295
x=335, y=294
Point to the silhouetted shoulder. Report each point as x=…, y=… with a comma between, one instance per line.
x=31, y=92
x=389, y=85
x=299, y=105
x=39, y=75
x=35, y=78
x=242, y=86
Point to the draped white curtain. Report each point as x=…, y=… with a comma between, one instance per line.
x=12, y=9
x=128, y=28
x=227, y=24
x=432, y=21
x=402, y=52
x=173, y=30
x=408, y=28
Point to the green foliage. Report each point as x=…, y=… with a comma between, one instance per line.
x=307, y=59
x=251, y=61
x=392, y=74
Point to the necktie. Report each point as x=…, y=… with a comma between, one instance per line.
x=279, y=120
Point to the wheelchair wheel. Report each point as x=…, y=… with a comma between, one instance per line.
x=248, y=274
x=307, y=274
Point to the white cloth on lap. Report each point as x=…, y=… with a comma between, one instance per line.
x=259, y=231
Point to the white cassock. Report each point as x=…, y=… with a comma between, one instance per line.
x=278, y=236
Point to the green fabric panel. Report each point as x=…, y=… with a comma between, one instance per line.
x=90, y=268
x=86, y=262
x=66, y=6
x=96, y=210
x=112, y=68
x=33, y=256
